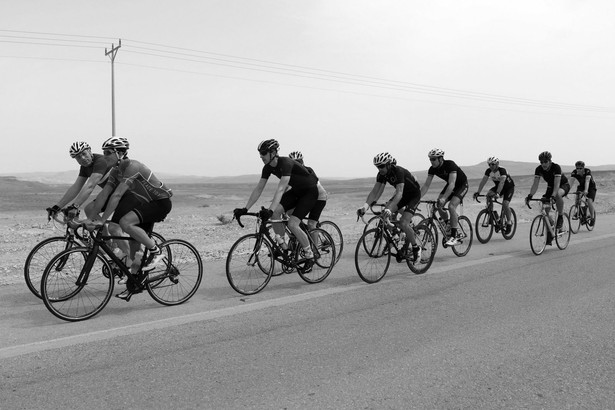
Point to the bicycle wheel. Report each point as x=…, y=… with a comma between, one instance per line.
x=464, y=231
x=484, y=227
x=513, y=230
x=324, y=257
x=428, y=245
x=539, y=235
x=563, y=236
x=431, y=225
x=249, y=264
x=575, y=219
x=39, y=257
x=336, y=234
x=178, y=279
x=70, y=295
x=590, y=226
x=372, y=256
x=371, y=223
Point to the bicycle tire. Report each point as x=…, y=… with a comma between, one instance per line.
x=513, y=230
x=245, y=262
x=428, y=245
x=372, y=256
x=465, y=229
x=39, y=257
x=431, y=225
x=336, y=234
x=539, y=234
x=484, y=226
x=180, y=277
x=587, y=224
x=562, y=239
x=324, y=254
x=72, y=301
x=575, y=221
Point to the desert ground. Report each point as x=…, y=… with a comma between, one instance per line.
x=202, y=213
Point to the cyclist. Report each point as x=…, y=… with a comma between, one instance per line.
x=587, y=186
x=302, y=197
x=321, y=201
x=557, y=186
x=150, y=201
x=504, y=186
x=407, y=194
x=93, y=171
x=453, y=192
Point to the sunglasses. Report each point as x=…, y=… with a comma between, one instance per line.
x=433, y=159
x=579, y=169
x=263, y=153
x=381, y=166
x=108, y=152
x=544, y=162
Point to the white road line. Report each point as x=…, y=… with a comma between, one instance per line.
x=19, y=350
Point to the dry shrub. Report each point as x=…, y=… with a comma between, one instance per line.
x=225, y=219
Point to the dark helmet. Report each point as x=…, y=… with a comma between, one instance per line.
x=544, y=156
x=579, y=164
x=268, y=146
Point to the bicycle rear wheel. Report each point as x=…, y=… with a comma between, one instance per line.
x=539, y=233
x=426, y=241
x=590, y=225
x=324, y=257
x=74, y=285
x=372, y=256
x=38, y=258
x=465, y=234
x=179, y=278
x=484, y=227
x=563, y=236
x=575, y=219
x=336, y=234
x=249, y=264
x=513, y=229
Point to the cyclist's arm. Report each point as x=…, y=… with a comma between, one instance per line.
x=87, y=189
x=450, y=185
x=72, y=192
x=114, y=199
x=101, y=198
x=482, y=184
x=277, y=197
x=556, y=184
x=256, y=193
x=425, y=186
x=534, y=187
x=375, y=193
x=587, y=181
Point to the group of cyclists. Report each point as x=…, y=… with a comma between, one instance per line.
x=132, y=198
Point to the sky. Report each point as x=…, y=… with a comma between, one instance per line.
x=199, y=83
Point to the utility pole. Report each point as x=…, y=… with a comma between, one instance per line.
x=111, y=53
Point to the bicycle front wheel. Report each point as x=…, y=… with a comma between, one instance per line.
x=563, y=235
x=372, y=256
x=76, y=285
x=324, y=257
x=426, y=241
x=336, y=234
x=484, y=227
x=178, y=279
x=575, y=219
x=539, y=235
x=465, y=234
x=513, y=228
x=38, y=258
x=249, y=264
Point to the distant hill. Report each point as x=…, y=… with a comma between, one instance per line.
x=515, y=168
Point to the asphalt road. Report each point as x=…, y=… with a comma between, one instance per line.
x=499, y=328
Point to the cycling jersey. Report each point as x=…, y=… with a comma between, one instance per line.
x=98, y=166
x=140, y=180
x=549, y=174
x=447, y=168
x=411, y=195
x=497, y=174
x=300, y=177
x=581, y=178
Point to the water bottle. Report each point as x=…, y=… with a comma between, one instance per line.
x=281, y=241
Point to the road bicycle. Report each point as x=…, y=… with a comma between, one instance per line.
x=436, y=224
x=580, y=215
x=41, y=254
x=376, y=247
x=78, y=282
x=251, y=261
x=542, y=231
x=377, y=209
x=488, y=221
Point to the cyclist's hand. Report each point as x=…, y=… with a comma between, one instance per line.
x=387, y=213
x=72, y=211
x=265, y=214
x=360, y=212
x=238, y=212
x=476, y=194
x=441, y=202
x=91, y=224
x=528, y=199
x=52, y=211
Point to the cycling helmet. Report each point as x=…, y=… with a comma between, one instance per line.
x=493, y=160
x=544, y=156
x=114, y=143
x=268, y=146
x=77, y=148
x=383, y=159
x=296, y=155
x=579, y=164
x=436, y=152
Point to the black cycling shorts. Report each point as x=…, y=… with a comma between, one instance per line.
x=507, y=194
x=301, y=200
x=459, y=192
x=549, y=192
x=317, y=210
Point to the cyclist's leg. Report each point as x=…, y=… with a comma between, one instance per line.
x=590, y=198
x=442, y=211
x=314, y=217
x=409, y=204
x=506, y=198
x=306, y=199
